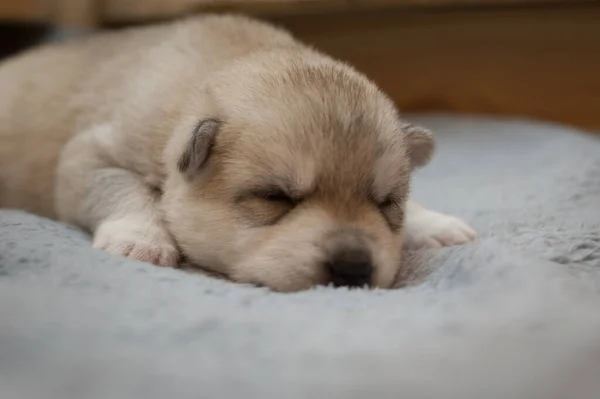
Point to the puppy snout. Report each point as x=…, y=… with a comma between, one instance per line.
x=351, y=268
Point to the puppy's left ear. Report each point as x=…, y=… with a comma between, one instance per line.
x=198, y=147
x=420, y=144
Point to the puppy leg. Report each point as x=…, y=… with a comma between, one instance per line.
x=115, y=204
x=427, y=228
x=128, y=221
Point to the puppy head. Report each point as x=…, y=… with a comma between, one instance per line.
x=298, y=176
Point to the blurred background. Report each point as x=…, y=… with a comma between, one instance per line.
x=530, y=58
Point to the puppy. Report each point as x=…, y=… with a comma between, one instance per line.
x=221, y=140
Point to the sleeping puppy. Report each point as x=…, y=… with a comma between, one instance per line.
x=221, y=140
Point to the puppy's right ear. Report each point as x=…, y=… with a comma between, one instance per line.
x=198, y=148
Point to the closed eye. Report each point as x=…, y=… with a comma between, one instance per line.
x=265, y=206
x=386, y=203
x=275, y=195
x=391, y=209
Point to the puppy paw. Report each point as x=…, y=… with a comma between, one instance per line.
x=138, y=241
x=430, y=229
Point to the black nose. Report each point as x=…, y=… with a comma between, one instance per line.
x=351, y=268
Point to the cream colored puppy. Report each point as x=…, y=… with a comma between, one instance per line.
x=223, y=141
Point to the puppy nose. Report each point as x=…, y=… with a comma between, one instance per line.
x=351, y=268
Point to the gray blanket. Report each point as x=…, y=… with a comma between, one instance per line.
x=514, y=315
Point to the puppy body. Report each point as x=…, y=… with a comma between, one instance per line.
x=222, y=139
x=139, y=82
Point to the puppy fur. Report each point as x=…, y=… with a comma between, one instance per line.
x=221, y=140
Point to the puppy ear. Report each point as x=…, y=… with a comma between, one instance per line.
x=198, y=148
x=420, y=144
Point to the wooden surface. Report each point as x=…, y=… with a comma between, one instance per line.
x=539, y=62
x=23, y=9
x=88, y=13
x=115, y=11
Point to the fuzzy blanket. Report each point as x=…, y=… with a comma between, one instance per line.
x=514, y=315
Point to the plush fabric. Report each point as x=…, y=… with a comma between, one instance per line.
x=514, y=315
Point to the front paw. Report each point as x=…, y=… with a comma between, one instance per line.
x=138, y=241
x=430, y=229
